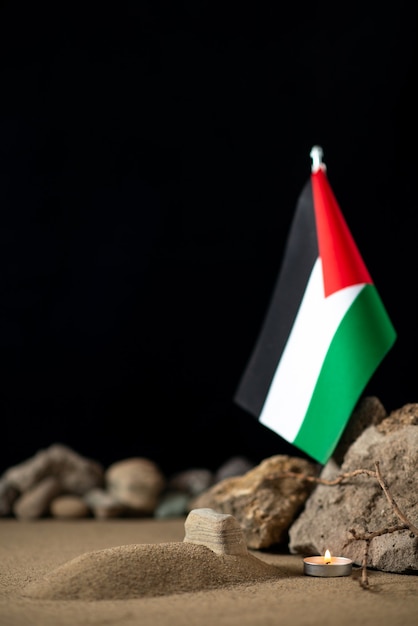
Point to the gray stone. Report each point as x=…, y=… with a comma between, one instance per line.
x=331, y=511
x=235, y=466
x=368, y=412
x=192, y=481
x=264, y=501
x=8, y=495
x=76, y=473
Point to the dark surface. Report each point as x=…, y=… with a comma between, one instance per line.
x=151, y=160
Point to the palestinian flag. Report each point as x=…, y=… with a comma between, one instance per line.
x=325, y=332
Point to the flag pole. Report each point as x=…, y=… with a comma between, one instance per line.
x=316, y=155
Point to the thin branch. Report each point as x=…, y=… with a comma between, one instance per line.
x=392, y=501
x=323, y=481
x=364, y=572
x=368, y=536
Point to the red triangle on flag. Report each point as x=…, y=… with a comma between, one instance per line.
x=342, y=264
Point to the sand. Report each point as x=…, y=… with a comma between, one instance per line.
x=126, y=572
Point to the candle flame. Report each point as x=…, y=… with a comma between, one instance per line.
x=327, y=556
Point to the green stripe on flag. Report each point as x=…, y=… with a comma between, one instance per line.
x=363, y=338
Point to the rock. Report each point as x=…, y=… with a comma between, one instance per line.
x=75, y=473
x=103, y=505
x=172, y=504
x=369, y=411
x=405, y=416
x=360, y=503
x=264, y=502
x=35, y=501
x=181, y=488
x=26, y=474
x=69, y=507
x=31, y=485
x=137, y=483
x=219, y=532
x=8, y=495
x=235, y=466
x=192, y=481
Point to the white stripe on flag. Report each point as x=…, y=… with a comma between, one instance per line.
x=295, y=378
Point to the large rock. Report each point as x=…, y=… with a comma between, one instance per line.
x=264, y=502
x=27, y=489
x=368, y=412
x=75, y=473
x=331, y=511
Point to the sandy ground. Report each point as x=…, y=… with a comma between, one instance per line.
x=30, y=550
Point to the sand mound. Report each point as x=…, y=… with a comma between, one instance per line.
x=140, y=570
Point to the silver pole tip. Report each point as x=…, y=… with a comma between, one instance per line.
x=316, y=155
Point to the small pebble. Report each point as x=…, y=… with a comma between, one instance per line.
x=103, y=504
x=235, y=466
x=137, y=483
x=69, y=507
x=172, y=504
x=192, y=481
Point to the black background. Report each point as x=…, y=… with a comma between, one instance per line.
x=152, y=154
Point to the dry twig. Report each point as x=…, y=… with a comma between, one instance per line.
x=392, y=502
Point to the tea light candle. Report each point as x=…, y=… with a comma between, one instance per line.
x=327, y=565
